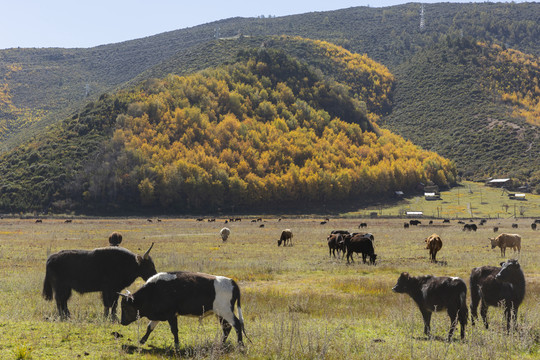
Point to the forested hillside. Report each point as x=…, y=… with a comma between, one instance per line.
x=465, y=86
x=470, y=102
x=265, y=132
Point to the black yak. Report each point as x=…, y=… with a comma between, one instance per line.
x=108, y=270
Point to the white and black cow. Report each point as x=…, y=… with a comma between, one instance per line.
x=166, y=295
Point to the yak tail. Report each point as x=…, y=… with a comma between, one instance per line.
x=47, y=288
x=236, y=295
x=463, y=310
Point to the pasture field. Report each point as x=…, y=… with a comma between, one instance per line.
x=298, y=303
x=471, y=199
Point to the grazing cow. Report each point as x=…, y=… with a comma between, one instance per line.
x=225, y=232
x=166, y=295
x=286, y=236
x=446, y=221
x=39, y=221
x=506, y=240
x=108, y=270
x=362, y=225
x=495, y=229
x=359, y=244
x=115, y=238
x=533, y=226
x=67, y=221
x=336, y=242
x=432, y=293
x=514, y=226
x=461, y=222
x=405, y=225
x=415, y=222
x=323, y=222
x=261, y=226
x=537, y=221
x=434, y=244
x=470, y=227
x=496, y=286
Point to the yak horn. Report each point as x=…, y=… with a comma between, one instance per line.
x=145, y=256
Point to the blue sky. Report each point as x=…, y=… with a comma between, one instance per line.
x=87, y=23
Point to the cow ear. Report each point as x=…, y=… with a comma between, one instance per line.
x=139, y=259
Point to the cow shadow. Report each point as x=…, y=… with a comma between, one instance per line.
x=436, y=338
x=188, y=351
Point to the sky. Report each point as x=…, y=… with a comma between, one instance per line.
x=88, y=23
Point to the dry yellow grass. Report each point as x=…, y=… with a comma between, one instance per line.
x=297, y=301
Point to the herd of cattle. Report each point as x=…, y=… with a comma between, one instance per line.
x=490, y=286
x=166, y=295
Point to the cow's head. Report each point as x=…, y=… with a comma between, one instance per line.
x=147, y=268
x=129, y=311
x=508, y=267
x=402, y=283
x=279, y=242
x=372, y=258
x=494, y=243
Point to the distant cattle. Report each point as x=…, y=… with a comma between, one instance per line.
x=286, y=237
x=415, y=222
x=225, y=233
x=506, y=241
x=261, y=226
x=533, y=226
x=360, y=244
x=39, y=221
x=434, y=244
x=446, y=221
x=514, y=226
x=108, y=270
x=537, y=221
x=362, y=225
x=497, y=286
x=115, y=238
x=432, y=294
x=461, y=222
x=470, y=227
x=67, y=221
x=323, y=222
x=405, y=225
x=166, y=295
x=495, y=229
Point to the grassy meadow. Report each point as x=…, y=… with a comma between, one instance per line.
x=298, y=303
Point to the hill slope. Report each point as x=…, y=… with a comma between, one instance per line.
x=262, y=133
x=448, y=101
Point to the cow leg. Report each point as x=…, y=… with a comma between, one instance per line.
x=349, y=254
x=427, y=320
x=226, y=327
x=173, y=323
x=62, y=296
x=453, y=314
x=110, y=301
x=474, y=307
x=151, y=326
x=483, y=313
x=364, y=255
x=510, y=312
